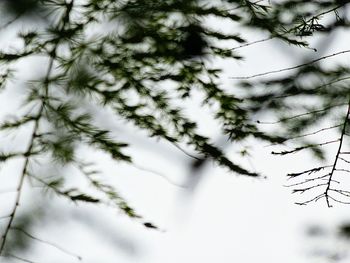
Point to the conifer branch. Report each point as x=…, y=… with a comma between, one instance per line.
x=243, y=5
x=33, y=135
x=290, y=30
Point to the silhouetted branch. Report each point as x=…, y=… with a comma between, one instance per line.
x=346, y=119
x=310, y=171
x=306, y=134
x=341, y=158
x=316, y=198
x=304, y=147
x=184, y=151
x=243, y=5
x=311, y=91
x=18, y=258
x=308, y=180
x=302, y=190
x=303, y=114
x=337, y=200
x=294, y=67
x=339, y=191
x=290, y=30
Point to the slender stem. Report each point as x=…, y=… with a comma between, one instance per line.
x=289, y=31
x=18, y=258
x=48, y=243
x=35, y=131
x=337, y=155
x=294, y=67
x=27, y=157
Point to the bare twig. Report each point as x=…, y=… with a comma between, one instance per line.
x=304, y=147
x=310, y=171
x=47, y=242
x=310, y=91
x=316, y=198
x=141, y=168
x=18, y=258
x=337, y=200
x=302, y=114
x=294, y=67
x=302, y=190
x=306, y=134
x=346, y=119
x=308, y=180
x=5, y=217
x=339, y=191
x=185, y=152
x=341, y=158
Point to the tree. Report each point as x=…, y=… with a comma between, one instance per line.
x=144, y=60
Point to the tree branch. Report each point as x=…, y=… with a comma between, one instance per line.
x=290, y=30
x=346, y=119
x=294, y=67
x=47, y=242
x=35, y=131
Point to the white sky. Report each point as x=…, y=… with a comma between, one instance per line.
x=227, y=219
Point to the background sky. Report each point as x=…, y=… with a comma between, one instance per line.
x=225, y=218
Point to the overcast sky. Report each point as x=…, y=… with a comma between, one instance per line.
x=227, y=218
